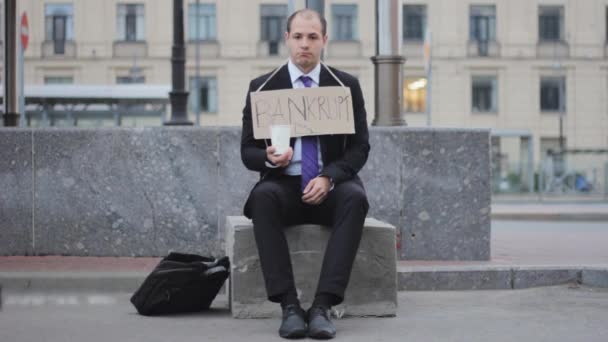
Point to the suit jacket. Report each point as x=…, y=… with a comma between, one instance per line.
x=343, y=155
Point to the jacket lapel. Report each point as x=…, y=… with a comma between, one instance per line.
x=281, y=80
x=326, y=79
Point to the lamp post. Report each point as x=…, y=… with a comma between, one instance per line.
x=388, y=65
x=559, y=157
x=11, y=116
x=562, y=93
x=197, y=60
x=319, y=6
x=178, y=94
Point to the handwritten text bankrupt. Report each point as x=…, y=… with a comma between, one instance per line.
x=309, y=111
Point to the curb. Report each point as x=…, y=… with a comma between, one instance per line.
x=498, y=277
x=71, y=281
x=409, y=278
x=565, y=216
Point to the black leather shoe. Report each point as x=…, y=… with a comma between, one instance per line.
x=319, y=325
x=294, y=322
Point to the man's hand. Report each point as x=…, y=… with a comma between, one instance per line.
x=316, y=191
x=280, y=161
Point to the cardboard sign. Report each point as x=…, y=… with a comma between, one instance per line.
x=309, y=111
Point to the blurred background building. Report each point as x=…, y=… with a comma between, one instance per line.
x=523, y=68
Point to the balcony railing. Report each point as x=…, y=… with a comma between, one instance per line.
x=412, y=48
x=270, y=48
x=59, y=48
x=552, y=49
x=130, y=48
x=483, y=48
x=344, y=49
x=208, y=48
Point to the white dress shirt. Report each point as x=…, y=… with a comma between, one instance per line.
x=295, y=166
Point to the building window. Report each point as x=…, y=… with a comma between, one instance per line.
x=485, y=94
x=344, y=18
x=58, y=80
x=482, y=23
x=414, y=95
x=553, y=94
x=204, y=15
x=273, y=21
x=58, y=19
x=206, y=95
x=414, y=22
x=482, y=27
x=131, y=79
x=551, y=23
x=130, y=22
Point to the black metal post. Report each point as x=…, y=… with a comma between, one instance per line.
x=178, y=95
x=319, y=6
x=562, y=146
x=11, y=116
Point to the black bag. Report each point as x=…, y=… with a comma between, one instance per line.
x=181, y=283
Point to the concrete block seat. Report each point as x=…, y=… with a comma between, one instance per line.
x=372, y=289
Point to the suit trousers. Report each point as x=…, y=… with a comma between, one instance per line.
x=276, y=203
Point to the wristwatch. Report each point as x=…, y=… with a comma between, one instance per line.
x=331, y=181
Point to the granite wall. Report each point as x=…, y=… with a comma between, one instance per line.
x=144, y=192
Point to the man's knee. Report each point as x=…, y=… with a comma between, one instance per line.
x=263, y=197
x=264, y=190
x=359, y=198
x=352, y=193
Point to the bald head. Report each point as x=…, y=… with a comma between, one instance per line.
x=308, y=14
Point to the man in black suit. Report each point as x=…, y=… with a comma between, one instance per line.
x=289, y=194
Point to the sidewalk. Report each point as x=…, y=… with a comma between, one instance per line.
x=551, y=314
x=524, y=254
x=523, y=209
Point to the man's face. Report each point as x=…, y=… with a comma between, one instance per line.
x=305, y=42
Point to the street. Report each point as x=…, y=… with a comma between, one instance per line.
x=562, y=313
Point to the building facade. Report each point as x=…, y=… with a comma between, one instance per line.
x=509, y=65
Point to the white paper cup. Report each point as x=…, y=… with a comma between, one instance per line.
x=280, y=135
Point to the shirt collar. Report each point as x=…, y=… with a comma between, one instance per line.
x=295, y=72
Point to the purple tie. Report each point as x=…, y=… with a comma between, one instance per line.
x=310, y=163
